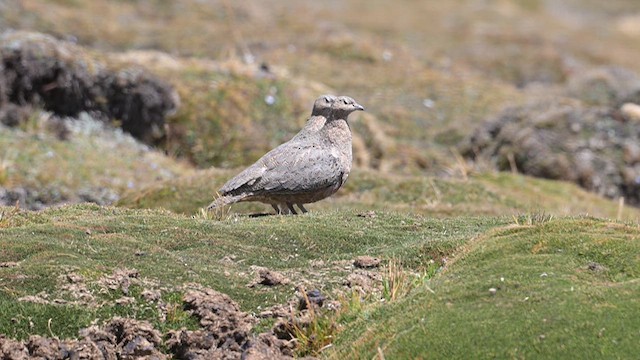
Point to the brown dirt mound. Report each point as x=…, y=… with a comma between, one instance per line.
x=225, y=331
x=225, y=334
x=119, y=339
x=366, y=262
x=39, y=70
x=267, y=277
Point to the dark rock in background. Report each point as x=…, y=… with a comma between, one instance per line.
x=567, y=139
x=139, y=101
x=38, y=70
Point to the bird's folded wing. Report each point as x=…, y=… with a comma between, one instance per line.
x=249, y=178
x=304, y=171
x=245, y=180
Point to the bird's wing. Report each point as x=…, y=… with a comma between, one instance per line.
x=249, y=179
x=301, y=169
x=243, y=181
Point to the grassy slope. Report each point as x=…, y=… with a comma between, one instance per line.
x=531, y=314
x=548, y=304
x=91, y=158
x=177, y=249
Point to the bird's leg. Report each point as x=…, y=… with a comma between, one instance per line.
x=293, y=211
x=276, y=208
x=284, y=209
x=304, y=211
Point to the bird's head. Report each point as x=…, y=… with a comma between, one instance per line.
x=323, y=106
x=344, y=105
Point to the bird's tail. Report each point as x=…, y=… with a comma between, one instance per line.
x=225, y=200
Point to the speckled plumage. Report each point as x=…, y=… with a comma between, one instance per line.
x=313, y=165
x=316, y=122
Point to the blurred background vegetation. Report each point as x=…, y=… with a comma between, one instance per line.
x=429, y=73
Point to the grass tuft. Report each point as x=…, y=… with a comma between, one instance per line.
x=531, y=219
x=316, y=333
x=398, y=282
x=7, y=215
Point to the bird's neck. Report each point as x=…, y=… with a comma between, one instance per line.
x=337, y=131
x=336, y=123
x=324, y=113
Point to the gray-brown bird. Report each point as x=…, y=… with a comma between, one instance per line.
x=308, y=168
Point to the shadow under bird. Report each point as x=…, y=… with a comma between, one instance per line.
x=310, y=167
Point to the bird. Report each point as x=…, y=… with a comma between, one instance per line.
x=241, y=187
x=313, y=165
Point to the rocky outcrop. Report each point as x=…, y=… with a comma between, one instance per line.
x=591, y=140
x=61, y=77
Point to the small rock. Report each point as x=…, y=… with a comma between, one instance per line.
x=314, y=296
x=366, y=262
x=493, y=291
x=428, y=103
x=631, y=112
x=387, y=55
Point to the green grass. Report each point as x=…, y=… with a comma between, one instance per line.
x=91, y=159
x=493, y=194
x=179, y=249
x=548, y=303
x=25, y=318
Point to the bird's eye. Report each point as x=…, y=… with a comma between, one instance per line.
x=344, y=101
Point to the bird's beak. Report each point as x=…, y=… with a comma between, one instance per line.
x=359, y=107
